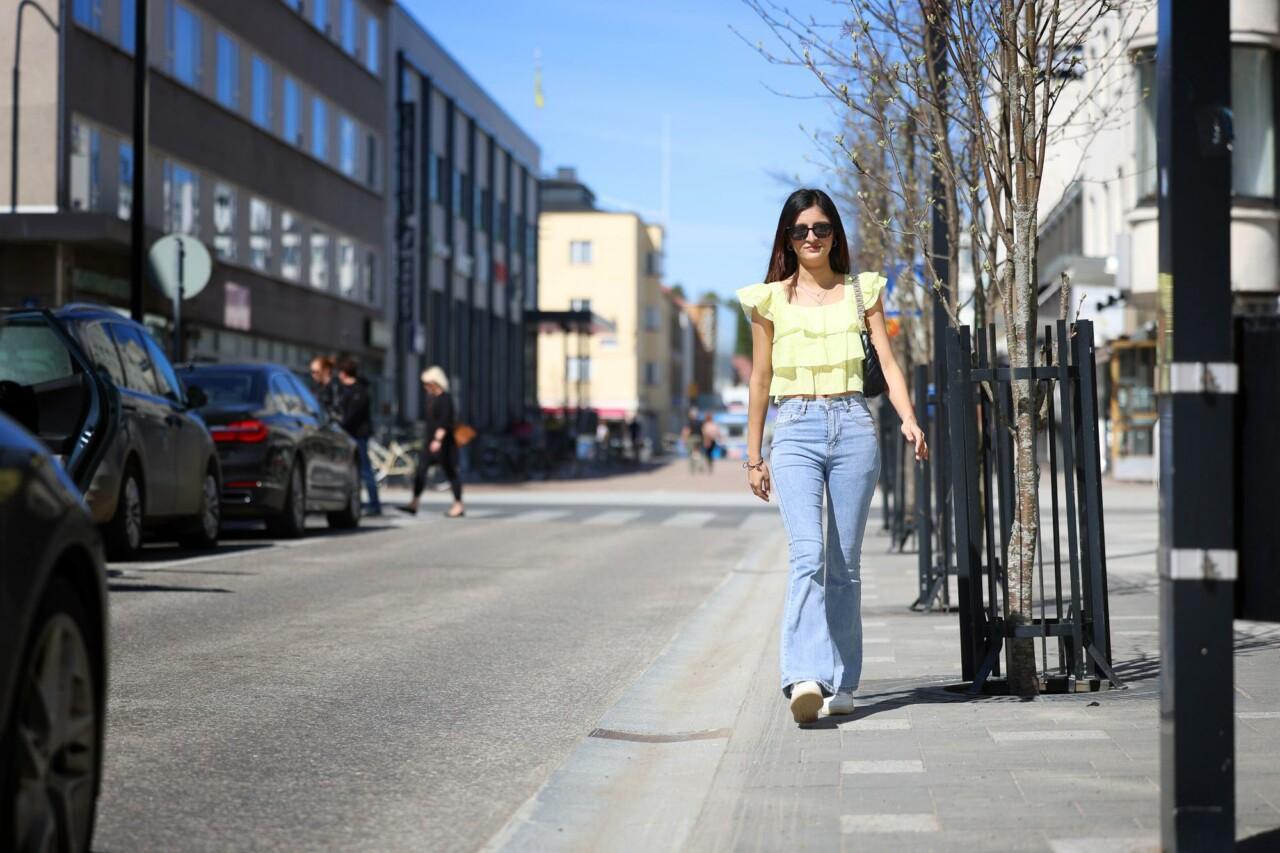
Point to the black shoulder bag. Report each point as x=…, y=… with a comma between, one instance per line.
x=872, y=376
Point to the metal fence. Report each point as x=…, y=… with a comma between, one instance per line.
x=899, y=520
x=1071, y=624
x=931, y=503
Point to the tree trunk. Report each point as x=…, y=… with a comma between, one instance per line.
x=1020, y=560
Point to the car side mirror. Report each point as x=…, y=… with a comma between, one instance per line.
x=196, y=397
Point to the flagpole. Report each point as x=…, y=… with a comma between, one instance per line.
x=539, y=101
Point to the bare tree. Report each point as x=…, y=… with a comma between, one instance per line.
x=982, y=120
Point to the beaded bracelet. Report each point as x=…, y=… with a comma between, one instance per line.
x=750, y=466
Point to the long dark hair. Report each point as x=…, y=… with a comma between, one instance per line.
x=782, y=262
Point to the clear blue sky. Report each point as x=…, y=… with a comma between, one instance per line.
x=611, y=70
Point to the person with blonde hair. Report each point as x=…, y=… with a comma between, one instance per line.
x=440, y=448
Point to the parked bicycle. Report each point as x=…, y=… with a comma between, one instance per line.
x=504, y=458
x=395, y=460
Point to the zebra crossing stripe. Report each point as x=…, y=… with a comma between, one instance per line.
x=689, y=519
x=540, y=516
x=614, y=517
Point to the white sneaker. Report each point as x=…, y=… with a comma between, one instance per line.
x=840, y=703
x=806, y=701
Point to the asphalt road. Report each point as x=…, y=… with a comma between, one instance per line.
x=398, y=688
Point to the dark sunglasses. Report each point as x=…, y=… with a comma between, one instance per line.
x=821, y=230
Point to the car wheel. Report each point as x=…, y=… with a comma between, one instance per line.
x=349, y=516
x=203, y=531
x=50, y=766
x=123, y=533
x=291, y=521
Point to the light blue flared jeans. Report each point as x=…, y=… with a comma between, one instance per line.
x=824, y=447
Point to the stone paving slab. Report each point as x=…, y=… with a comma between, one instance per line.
x=919, y=767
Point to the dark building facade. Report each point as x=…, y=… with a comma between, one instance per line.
x=267, y=142
x=463, y=236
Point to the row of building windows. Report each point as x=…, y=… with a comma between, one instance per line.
x=113, y=18
x=478, y=206
x=241, y=227
x=301, y=117
x=274, y=100
x=358, y=32
x=577, y=368
x=225, y=345
x=469, y=185
x=1253, y=155
x=580, y=255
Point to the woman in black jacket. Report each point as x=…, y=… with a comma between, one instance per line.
x=440, y=446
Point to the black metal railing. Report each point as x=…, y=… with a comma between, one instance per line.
x=895, y=461
x=933, y=533
x=1072, y=618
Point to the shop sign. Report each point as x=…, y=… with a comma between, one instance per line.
x=378, y=333
x=237, y=313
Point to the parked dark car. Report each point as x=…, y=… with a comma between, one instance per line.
x=283, y=455
x=53, y=646
x=160, y=471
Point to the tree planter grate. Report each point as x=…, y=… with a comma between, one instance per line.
x=1070, y=612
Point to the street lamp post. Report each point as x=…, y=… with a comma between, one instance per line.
x=1197, y=381
x=17, y=72
x=940, y=258
x=138, y=202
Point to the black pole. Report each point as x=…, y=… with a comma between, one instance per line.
x=138, y=203
x=1197, y=381
x=924, y=507
x=940, y=251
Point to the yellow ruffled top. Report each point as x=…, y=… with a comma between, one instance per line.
x=816, y=348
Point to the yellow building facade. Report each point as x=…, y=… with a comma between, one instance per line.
x=610, y=263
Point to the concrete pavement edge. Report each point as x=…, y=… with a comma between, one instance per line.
x=639, y=779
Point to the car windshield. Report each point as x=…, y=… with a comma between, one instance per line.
x=30, y=352
x=227, y=387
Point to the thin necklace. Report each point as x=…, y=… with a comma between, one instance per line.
x=815, y=293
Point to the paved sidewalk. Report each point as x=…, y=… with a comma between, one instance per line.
x=706, y=732
x=919, y=767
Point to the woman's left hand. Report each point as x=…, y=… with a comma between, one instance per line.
x=911, y=432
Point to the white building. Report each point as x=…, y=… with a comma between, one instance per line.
x=1099, y=217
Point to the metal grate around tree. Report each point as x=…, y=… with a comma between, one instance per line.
x=1071, y=621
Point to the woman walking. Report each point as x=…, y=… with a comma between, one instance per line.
x=441, y=448
x=710, y=439
x=806, y=320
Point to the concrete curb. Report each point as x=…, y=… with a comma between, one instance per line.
x=638, y=781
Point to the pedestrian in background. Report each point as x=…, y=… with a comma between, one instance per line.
x=633, y=430
x=824, y=441
x=602, y=441
x=441, y=445
x=355, y=414
x=322, y=382
x=710, y=439
x=691, y=435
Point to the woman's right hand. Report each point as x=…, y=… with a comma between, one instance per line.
x=758, y=478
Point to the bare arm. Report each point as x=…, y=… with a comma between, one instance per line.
x=899, y=395
x=758, y=402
